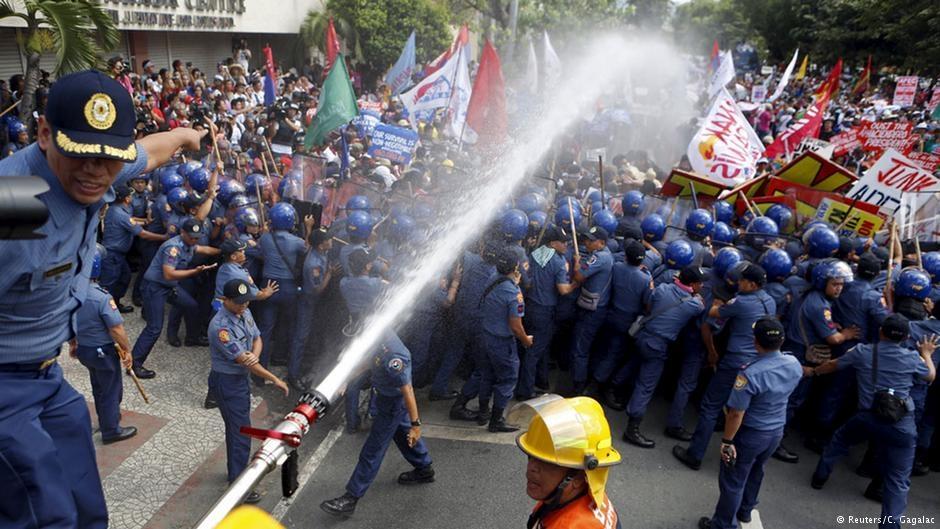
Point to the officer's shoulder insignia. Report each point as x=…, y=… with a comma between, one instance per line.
x=100, y=111
x=167, y=207
x=592, y=260
x=519, y=297
x=525, y=266
x=732, y=300
x=827, y=314
x=567, y=267
x=396, y=365
x=224, y=336
x=112, y=304
x=251, y=281
x=740, y=381
x=174, y=251
x=316, y=272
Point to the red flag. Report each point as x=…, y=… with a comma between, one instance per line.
x=806, y=127
x=486, y=112
x=460, y=40
x=831, y=85
x=863, y=81
x=713, y=61
x=332, y=45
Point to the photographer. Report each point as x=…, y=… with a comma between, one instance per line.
x=116, y=68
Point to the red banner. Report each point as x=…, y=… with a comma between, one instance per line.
x=845, y=142
x=928, y=161
x=881, y=135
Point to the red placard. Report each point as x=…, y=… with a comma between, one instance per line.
x=881, y=135
x=845, y=142
x=928, y=161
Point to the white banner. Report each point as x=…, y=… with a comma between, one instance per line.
x=905, y=90
x=891, y=178
x=725, y=149
x=723, y=75
x=786, y=77
x=434, y=91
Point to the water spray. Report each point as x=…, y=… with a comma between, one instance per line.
x=603, y=67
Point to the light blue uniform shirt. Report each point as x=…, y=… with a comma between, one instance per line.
x=43, y=281
x=119, y=231
x=173, y=252
x=504, y=301
x=230, y=271
x=229, y=337
x=96, y=316
x=291, y=246
x=763, y=389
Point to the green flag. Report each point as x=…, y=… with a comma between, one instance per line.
x=337, y=105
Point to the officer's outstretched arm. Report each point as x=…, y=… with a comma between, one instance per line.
x=120, y=336
x=162, y=146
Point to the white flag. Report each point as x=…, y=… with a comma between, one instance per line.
x=433, y=91
x=786, y=77
x=532, y=70
x=725, y=149
x=552, y=63
x=723, y=75
x=460, y=94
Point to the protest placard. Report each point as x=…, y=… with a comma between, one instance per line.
x=679, y=183
x=881, y=135
x=862, y=221
x=926, y=160
x=892, y=176
x=396, y=144
x=845, y=142
x=904, y=91
x=725, y=149
x=812, y=170
x=758, y=93
x=366, y=122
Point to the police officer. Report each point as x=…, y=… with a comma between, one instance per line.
x=738, y=315
x=502, y=311
x=672, y=307
x=85, y=142
x=18, y=136
x=885, y=372
x=548, y=273
x=678, y=255
x=926, y=397
x=100, y=325
x=235, y=347
x=397, y=415
x=754, y=421
x=117, y=238
x=233, y=267
x=162, y=285
x=317, y=276
x=593, y=273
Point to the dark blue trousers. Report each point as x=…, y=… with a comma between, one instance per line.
x=500, y=370
x=147, y=249
x=693, y=352
x=540, y=323
x=281, y=307
x=191, y=313
x=419, y=343
x=306, y=326
x=649, y=368
x=896, y=446
x=585, y=329
x=115, y=274
x=234, y=398
x=156, y=297
x=104, y=369
x=739, y=485
x=391, y=423
x=464, y=342
x=618, y=340
x=715, y=398
x=47, y=457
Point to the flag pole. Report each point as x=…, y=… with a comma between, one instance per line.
x=600, y=172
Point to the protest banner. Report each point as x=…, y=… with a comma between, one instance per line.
x=881, y=135
x=845, y=142
x=725, y=149
x=892, y=176
x=758, y=93
x=374, y=106
x=904, y=91
x=396, y=144
x=806, y=127
x=677, y=185
x=806, y=199
x=820, y=147
x=934, y=99
x=926, y=160
x=366, y=122
x=812, y=170
x=862, y=220
x=723, y=75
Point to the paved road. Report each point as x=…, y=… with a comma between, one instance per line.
x=171, y=473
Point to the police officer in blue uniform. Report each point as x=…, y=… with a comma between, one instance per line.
x=738, y=315
x=397, y=415
x=754, y=422
x=117, y=238
x=317, y=276
x=100, y=326
x=161, y=285
x=235, y=347
x=18, y=136
x=672, y=307
x=502, y=310
x=85, y=143
x=548, y=275
x=593, y=273
x=926, y=396
x=885, y=373
x=233, y=267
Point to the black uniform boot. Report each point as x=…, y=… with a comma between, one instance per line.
x=483, y=416
x=921, y=468
x=498, y=423
x=633, y=436
x=459, y=411
x=341, y=506
x=611, y=398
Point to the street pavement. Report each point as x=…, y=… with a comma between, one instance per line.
x=172, y=472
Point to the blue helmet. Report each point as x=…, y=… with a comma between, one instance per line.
x=14, y=128
x=781, y=215
x=185, y=169
x=563, y=217
x=563, y=201
x=722, y=233
x=597, y=206
x=761, y=231
x=724, y=212
x=699, y=224
x=177, y=199
x=239, y=201
x=912, y=283
x=100, y=252
x=829, y=269
x=594, y=196
x=777, y=263
x=653, y=227
x=359, y=224
x=170, y=181
x=632, y=203
x=401, y=227
x=679, y=254
x=514, y=225
x=862, y=242
x=725, y=259
x=931, y=264
x=821, y=242
x=358, y=202
x=198, y=179
x=528, y=203
x=228, y=189
x=605, y=219
x=538, y=218
x=289, y=188
x=246, y=217
x=283, y=216
x=255, y=180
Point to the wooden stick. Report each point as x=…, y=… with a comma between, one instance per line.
x=694, y=194
x=600, y=172
x=847, y=213
x=140, y=388
x=271, y=154
x=341, y=241
x=574, y=233
x=754, y=211
x=11, y=107
x=889, y=290
x=220, y=166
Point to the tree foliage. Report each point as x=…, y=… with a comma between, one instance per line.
x=378, y=30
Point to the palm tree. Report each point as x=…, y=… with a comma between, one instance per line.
x=313, y=32
x=78, y=31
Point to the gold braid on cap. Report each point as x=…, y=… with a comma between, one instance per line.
x=73, y=147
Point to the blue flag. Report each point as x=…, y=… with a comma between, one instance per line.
x=344, y=156
x=399, y=77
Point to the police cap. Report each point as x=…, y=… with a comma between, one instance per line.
x=231, y=246
x=895, y=327
x=192, y=227
x=768, y=331
x=755, y=273
x=691, y=274
x=596, y=233
x=237, y=290
x=553, y=234
x=634, y=252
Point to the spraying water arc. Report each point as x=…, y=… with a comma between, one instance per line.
x=601, y=67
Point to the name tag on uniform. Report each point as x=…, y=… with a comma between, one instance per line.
x=61, y=269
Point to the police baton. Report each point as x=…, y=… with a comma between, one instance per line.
x=122, y=353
